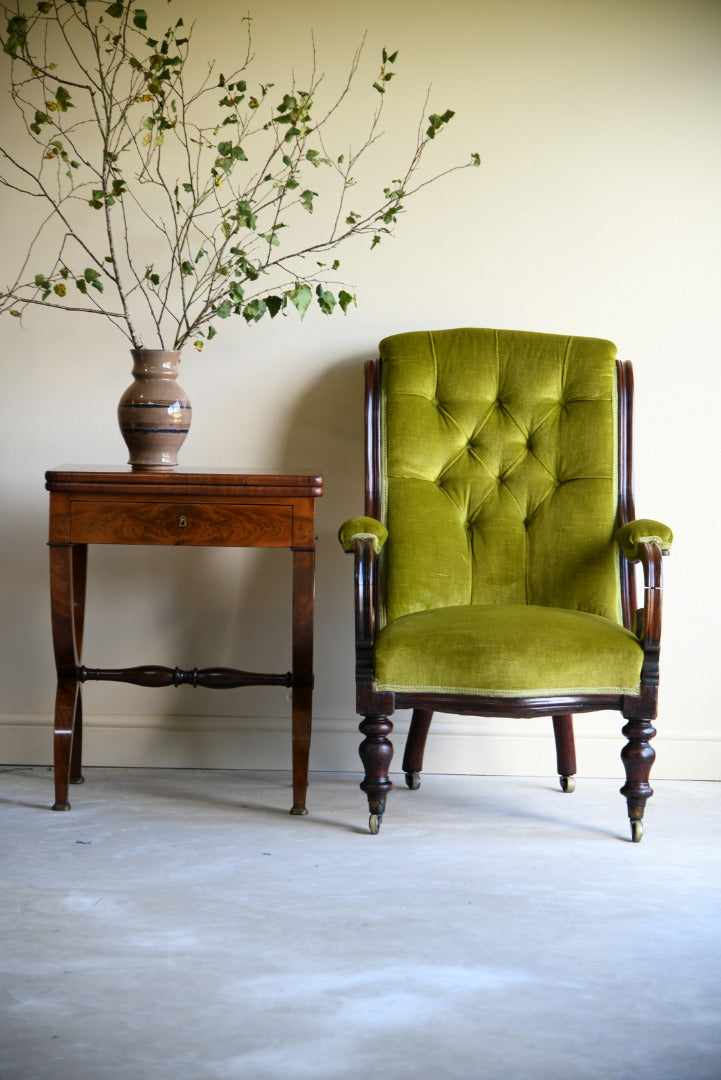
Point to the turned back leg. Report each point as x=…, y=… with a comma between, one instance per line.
x=415, y=747
x=565, y=750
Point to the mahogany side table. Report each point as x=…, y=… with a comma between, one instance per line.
x=195, y=507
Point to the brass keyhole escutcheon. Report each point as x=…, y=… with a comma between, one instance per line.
x=182, y=521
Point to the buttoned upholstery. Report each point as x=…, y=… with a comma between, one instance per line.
x=499, y=471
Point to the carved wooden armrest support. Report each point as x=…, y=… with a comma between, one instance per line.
x=365, y=608
x=648, y=618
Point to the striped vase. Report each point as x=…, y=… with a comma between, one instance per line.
x=154, y=412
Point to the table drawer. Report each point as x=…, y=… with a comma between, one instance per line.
x=194, y=524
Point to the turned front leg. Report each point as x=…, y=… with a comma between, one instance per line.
x=376, y=752
x=638, y=757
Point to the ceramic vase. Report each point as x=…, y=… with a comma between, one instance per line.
x=154, y=412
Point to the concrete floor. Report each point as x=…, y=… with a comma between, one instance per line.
x=180, y=924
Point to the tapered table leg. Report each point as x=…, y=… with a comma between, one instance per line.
x=303, y=602
x=67, y=698
x=67, y=604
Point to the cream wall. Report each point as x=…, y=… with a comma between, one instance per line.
x=596, y=211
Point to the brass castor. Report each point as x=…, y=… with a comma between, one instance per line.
x=636, y=831
x=374, y=823
x=568, y=783
x=413, y=780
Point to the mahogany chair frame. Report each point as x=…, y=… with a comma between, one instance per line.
x=376, y=707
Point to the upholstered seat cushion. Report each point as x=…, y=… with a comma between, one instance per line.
x=507, y=650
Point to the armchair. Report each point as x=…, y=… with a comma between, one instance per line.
x=494, y=562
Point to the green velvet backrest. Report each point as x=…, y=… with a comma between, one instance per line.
x=499, y=471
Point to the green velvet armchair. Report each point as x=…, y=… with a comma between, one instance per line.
x=494, y=563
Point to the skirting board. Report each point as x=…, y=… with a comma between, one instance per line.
x=456, y=745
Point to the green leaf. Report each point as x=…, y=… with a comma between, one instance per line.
x=40, y=118
x=345, y=299
x=275, y=304
x=17, y=32
x=62, y=96
x=437, y=121
x=224, y=310
x=246, y=216
x=186, y=268
x=228, y=155
x=326, y=300
x=140, y=19
x=476, y=159
x=42, y=283
x=288, y=104
x=115, y=10
x=306, y=198
x=211, y=333
x=300, y=297
x=313, y=156
x=92, y=277
x=254, y=310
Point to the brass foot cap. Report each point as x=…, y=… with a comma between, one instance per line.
x=61, y=806
x=77, y=780
x=299, y=811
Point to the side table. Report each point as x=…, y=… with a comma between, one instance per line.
x=194, y=507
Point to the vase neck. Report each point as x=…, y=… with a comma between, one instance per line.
x=155, y=363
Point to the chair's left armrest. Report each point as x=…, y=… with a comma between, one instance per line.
x=643, y=531
x=364, y=537
x=362, y=528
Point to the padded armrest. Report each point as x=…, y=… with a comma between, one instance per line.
x=643, y=531
x=362, y=528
